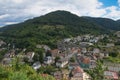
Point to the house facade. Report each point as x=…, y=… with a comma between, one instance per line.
x=110, y=75
x=79, y=74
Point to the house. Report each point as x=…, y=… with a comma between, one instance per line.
x=72, y=65
x=30, y=56
x=65, y=74
x=94, y=40
x=2, y=43
x=7, y=61
x=48, y=60
x=74, y=50
x=92, y=64
x=110, y=45
x=36, y=65
x=79, y=74
x=117, y=33
x=67, y=40
x=44, y=47
x=79, y=38
x=85, y=62
x=104, y=54
x=112, y=66
x=96, y=50
x=58, y=75
x=53, y=53
x=62, y=55
x=61, y=63
x=111, y=75
x=61, y=45
x=10, y=54
x=83, y=44
x=86, y=37
x=44, y=75
x=84, y=50
x=61, y=75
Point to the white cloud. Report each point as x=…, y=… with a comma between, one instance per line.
x=19, y=10
x=17, y=1
x=4, y=16
x=9, y=23
x=113, y=12
x=80, y=7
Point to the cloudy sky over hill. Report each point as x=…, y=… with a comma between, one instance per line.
x=14, y=11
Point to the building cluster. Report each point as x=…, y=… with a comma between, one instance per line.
x=81, y=49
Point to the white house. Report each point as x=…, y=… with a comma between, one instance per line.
x=30, y=56
x=84, y=50
x=36, y=65
x=110, y=45
x=93, y=40
x=111, y=75
x=44, y=47
x=96, y=50
x=112, y=66
x=48, y=60
x=92, y=64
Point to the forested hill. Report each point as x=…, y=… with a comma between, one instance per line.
x=106, y=23
x=118, y=21
x=53, y=26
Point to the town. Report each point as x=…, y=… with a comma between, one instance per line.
x=75, y=58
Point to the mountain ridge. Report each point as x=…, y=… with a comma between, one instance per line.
x=62, y=12
x=49, y=28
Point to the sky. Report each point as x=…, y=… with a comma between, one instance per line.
x=15, y=11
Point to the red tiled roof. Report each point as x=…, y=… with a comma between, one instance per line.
x=78, y=70
x=79, y=50
x=44, y=75
x=115, y=76
x=86, y=60
x=54, y=51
